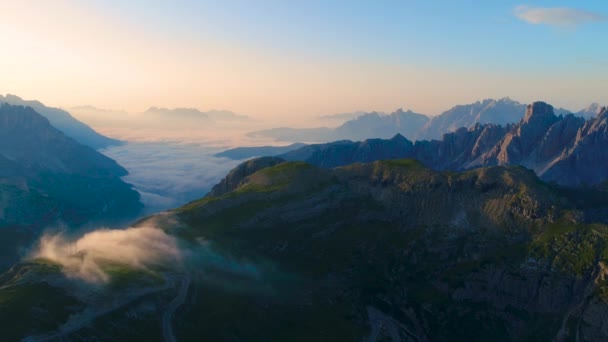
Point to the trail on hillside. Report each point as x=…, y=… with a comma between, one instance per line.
x=168, y=335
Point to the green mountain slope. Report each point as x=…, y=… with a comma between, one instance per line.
x=387, y=250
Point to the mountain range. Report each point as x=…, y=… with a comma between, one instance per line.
x=193, y=114
x=64, y=122
x=412, y=125
x=568, y=150
x=159, y=116
x=363, y=126
x=389, y=250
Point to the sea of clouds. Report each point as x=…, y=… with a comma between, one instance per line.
x=170, y=174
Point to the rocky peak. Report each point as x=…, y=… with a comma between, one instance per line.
x=399, y=138
x=593, y=109
x=602, y=112
x=539, y=111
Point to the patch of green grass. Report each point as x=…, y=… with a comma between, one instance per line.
x=123, y=276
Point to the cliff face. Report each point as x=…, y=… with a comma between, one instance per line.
x=564, y=149
x=585, y=161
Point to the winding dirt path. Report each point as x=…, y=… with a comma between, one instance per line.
x=168, y=335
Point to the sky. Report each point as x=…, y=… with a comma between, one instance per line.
x=293, y=59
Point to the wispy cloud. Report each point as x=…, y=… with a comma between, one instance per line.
x=85, y=257
x=557, y=16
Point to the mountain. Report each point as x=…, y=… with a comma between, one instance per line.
x=47, y=178
x=388, y=250
x=563, y=149
x=293, y=135
x=342, y=117
x=65, y=122
x=411, y=125
x=225, y=115
x=369, y=125
x=193, y=114
x=374, y=125
x=500, y=112
x=590, y=112
x=190, y=114
x=239, y=153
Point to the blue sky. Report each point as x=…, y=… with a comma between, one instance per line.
x=451, y=32
x=277, y=57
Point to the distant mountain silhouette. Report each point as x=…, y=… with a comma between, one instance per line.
x=566, y=149
x=364, y=126
x=194, y=115
x=343, y=116
x=412, y=125
x=64, y=122
x=500, y=112
x=591, y=111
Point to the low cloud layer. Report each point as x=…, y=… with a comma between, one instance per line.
x=168, y=175
x=161, y=124
x=557, y=16
x=84, y=258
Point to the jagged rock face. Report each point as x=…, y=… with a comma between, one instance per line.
x=558, y=137
x=459, y=149
x=518, y=144
x=586, y=161
x=564, y=149
x=490, y=135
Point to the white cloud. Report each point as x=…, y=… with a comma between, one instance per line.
x=557, y=16
x=85, y=257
